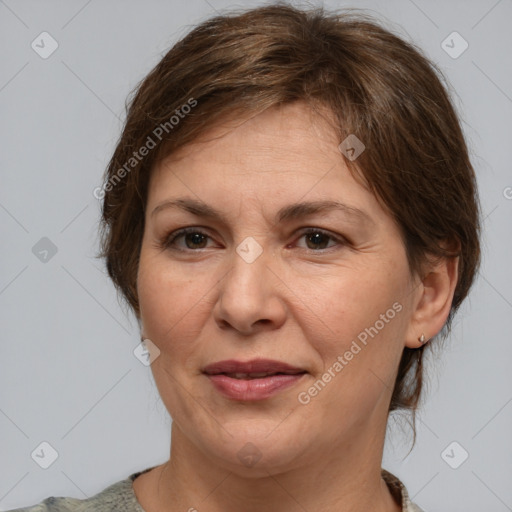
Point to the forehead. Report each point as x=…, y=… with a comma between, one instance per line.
x=280, y=132
x=288, y=152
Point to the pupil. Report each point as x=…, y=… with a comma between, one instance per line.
x=316, y=238
x=195, y=238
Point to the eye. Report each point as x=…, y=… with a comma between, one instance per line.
x=316, y=239
x=194, y=239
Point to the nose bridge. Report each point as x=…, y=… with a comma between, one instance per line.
x=246, y=292
x=249, y=250
x=248, y=266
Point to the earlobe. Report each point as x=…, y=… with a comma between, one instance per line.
x=422, y=339
x=434, y=304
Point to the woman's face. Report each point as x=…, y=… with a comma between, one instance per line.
x=248, y=283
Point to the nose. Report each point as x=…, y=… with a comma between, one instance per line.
x=250, y=297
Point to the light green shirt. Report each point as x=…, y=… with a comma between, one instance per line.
x=121, y=497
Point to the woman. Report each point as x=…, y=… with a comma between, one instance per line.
x=292, y=215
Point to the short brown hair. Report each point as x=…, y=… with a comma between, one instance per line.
x=378, y=87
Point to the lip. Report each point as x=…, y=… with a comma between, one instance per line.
x=256, y=388
x=253, y=366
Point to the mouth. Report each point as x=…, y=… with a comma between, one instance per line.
x=255, y=369
x=252, y=380
x=251, y=376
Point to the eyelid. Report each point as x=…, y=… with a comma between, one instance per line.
x=339, y=239
x=169, y=239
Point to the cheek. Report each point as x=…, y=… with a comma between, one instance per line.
x=355, y=302
x=166, y=300
x=363, y=321
x=169, y=311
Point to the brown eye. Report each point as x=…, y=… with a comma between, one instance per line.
x=317, y=239
x=194, y=239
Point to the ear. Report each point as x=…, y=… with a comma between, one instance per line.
x=434, y=301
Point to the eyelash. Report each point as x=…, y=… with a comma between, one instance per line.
x=168, y=241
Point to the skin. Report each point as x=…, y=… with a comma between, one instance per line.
x=296, y=303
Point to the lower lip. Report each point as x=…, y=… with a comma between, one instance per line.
x=253, y=389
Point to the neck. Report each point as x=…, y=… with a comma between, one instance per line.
x=346, y=478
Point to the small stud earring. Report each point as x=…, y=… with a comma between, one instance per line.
x=422, y=339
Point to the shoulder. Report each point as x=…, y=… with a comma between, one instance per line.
x=399, y=491
x=54, y=504
x=118, y=496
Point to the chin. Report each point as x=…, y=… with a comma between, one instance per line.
x=257, y=456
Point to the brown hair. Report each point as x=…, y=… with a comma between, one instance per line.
x=379, y=87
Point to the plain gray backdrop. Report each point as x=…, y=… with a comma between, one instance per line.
x=68, y=374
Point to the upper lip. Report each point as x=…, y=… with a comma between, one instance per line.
x=253, y=366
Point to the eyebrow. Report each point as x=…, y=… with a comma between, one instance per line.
x=287, y=213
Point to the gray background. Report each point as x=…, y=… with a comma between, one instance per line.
x=68, y=375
